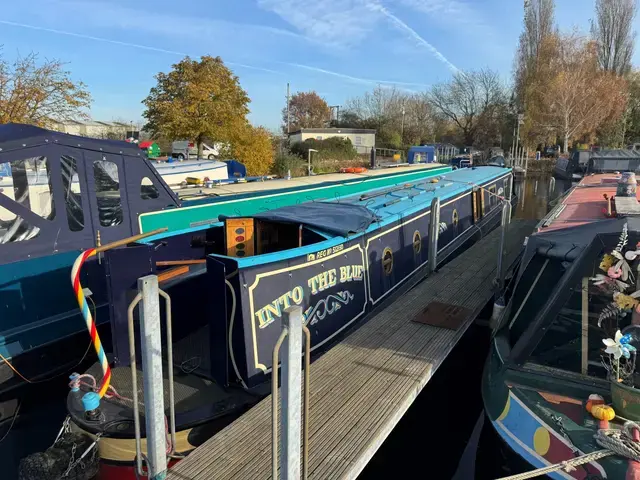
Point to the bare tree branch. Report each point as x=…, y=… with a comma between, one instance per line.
x=39, y=93
x=612, y=31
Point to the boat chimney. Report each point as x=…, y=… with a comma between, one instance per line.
x=627, y=185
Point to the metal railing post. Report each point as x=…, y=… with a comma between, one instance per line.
x=506, y=219
x=291, y=396
x=293, y=422
x=151, y=346
x=434, y=231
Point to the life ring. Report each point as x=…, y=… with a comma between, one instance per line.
x=353, y=170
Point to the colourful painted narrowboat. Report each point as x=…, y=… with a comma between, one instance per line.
x=560, y=378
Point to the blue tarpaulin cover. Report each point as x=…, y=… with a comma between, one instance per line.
x=342, y=219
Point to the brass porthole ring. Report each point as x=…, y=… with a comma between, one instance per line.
x=417, y=242
x=387, y=261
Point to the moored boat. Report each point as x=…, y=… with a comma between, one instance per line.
x=565, y=349
x=70, y=193
x=582, y=162
x=230, y=282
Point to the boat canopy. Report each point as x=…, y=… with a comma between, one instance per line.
x=336, y=218
x=61, y=192
x=614, y=160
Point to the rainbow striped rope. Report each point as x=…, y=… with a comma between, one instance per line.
x=91, y=324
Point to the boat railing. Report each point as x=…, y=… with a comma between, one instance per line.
x=292, y=420
x=153, y=384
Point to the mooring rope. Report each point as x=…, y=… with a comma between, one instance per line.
x=614, y=442
x=91, y=325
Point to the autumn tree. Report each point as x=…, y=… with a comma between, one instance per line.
x=39, y=93
x=580, y=96
x=306, y=110
x=197, y=100
x=531, y=72
x=538, y=25
x=254, y=148
x=470, y=100
x=631, y=125
x=612, y=30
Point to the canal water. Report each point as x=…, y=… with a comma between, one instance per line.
x=443, y=435
x=430, y=440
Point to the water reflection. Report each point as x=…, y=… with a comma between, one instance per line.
x=534, y=195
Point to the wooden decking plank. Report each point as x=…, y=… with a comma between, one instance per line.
x=329, y=428
x=387, y=353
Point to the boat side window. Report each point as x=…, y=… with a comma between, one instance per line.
x=493, y=199
x=148, y=190
x=573, y=341
x=28, y=183
x=108, y=193
x=71, y=192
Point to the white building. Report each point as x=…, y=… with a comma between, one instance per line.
x=93, y=128
x=362, y=139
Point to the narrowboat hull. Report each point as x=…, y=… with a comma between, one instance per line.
x=542, y=426
x=337, y=282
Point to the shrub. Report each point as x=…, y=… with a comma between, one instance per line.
x=254, y=150
x=333, y=148
x=288, y=162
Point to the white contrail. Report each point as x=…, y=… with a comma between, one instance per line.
x=403, y=26
x=124, y=44
x=354, y=79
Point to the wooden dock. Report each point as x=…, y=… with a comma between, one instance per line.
x=361, y=388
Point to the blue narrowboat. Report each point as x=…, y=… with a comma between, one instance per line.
x=230, y=283
x=60, y=194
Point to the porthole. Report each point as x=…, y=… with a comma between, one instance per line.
x=417, y=242
x=455, y=218
x=387, y=261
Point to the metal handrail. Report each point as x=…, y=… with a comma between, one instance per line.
x=134, y=382
x=172, y=406
x=134, y=376
x=305, y=400
x=274, y=405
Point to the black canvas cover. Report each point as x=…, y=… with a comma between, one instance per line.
x=342, y=219
x=615, y=161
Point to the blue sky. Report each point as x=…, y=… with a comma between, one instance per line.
x=339, y=48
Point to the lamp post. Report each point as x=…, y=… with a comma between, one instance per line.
x=402, y=128
x=309, y=159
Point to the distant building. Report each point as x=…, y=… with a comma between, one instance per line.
x=362, y=139
x=94, y=129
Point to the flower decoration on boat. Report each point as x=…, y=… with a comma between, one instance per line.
x=619, y=346
x=626, y=302
x=609, y=283
x=607, y=262
x=619, y=279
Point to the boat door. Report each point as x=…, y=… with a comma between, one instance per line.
x=477, y=196
x=108, y=196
